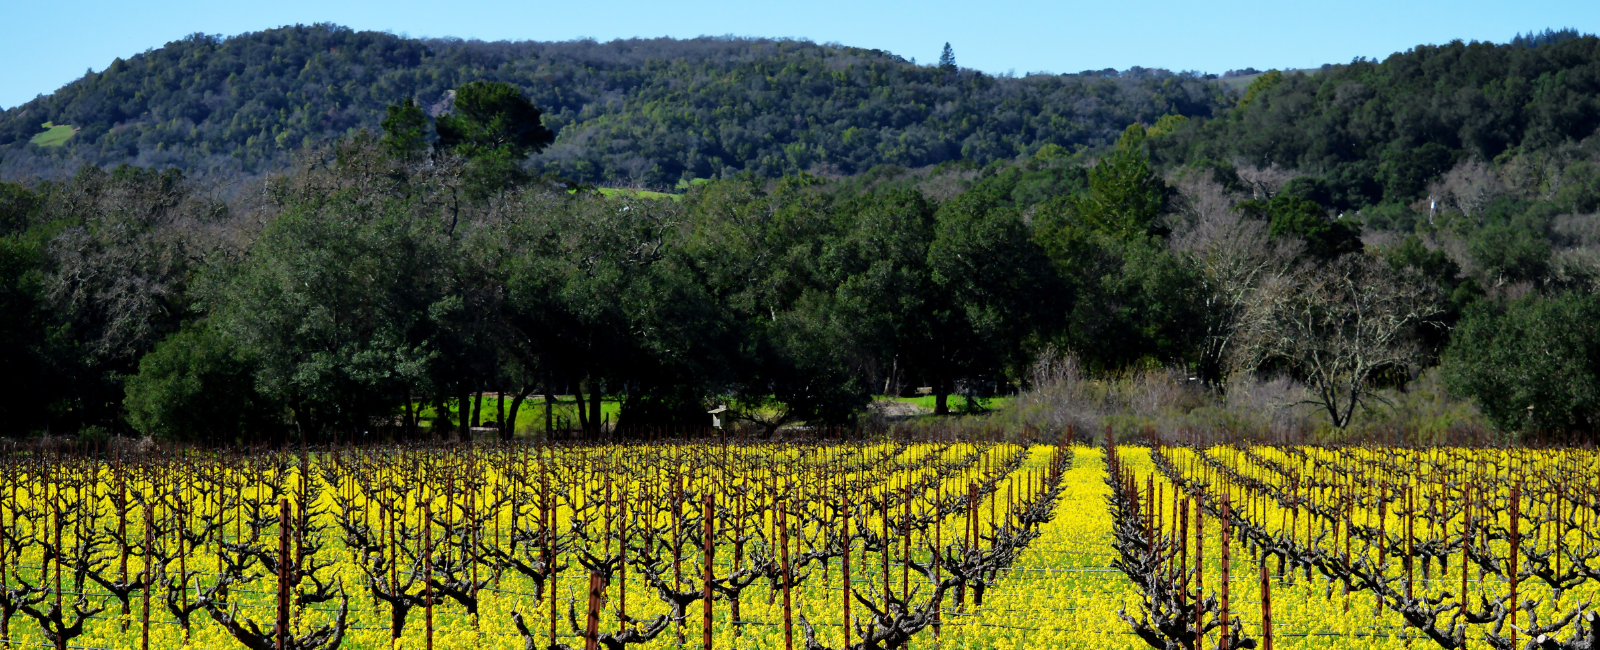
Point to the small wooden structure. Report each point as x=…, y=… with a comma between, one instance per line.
x=716, y=416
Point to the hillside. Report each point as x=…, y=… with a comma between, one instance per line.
x=1450, y=192
x=1373, y=133
x=652, y=112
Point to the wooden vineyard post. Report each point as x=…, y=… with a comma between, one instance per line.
x=591, y=626
x=1411, y=511
x=938, y=558
x=390, y=515
x=122, y=537
x=884, y=549
x=1383, y=544
x=1466, y=541
x=1516, y=541
x=1199, y=570
x=710, y=547
x=61, y=641
x=549, y=546
x=149, y=530
x=183, y=558
x=677, y=551
x=783, y=551
x=622, y=564
x=970, y=541
x=1349, y=521
x=282, y=632
x=1183, y=550
x=905, y=545
x=470, y=513
x=427, y=569
x=738, y=553
x=844, y=568
x=1149, y=507
x=1266, y=607
x=1227, y=522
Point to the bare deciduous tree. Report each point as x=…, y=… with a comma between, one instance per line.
x=1338, y=326
x=1265, y=182
x=1233, y=255
x=1469, y=187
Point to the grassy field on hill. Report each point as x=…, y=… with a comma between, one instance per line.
x=54, y=135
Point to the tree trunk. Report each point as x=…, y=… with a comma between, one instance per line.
x=594, y=408
x=508, y=425
x=441, y=419
x=304, y=421
x=941, y=402
x=408, y=425
x=500, y=413
x=465, y=402
x=477, y=409
x=627, y=408
x=583, y=415
x=549, y=415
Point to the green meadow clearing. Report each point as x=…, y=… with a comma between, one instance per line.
x=54, y=135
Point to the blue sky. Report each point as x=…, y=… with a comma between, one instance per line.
x=44, y=45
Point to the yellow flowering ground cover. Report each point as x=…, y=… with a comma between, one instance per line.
x=1024, y=546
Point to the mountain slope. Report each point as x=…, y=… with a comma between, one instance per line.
x=1379, y=132
x=647, y=111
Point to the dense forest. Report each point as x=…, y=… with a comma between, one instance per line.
x=1357, y=232
x=1375, y=134
x=650, y=112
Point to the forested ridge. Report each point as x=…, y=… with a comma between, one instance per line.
x=649, y=112
x=1348, y=241
x=1377, y=133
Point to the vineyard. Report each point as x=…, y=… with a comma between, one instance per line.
x=816, y=545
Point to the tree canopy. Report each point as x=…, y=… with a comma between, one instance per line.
x=848, y=225
x=650, y=111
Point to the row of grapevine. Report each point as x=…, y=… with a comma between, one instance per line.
x=868, y=545
x=1464, y=545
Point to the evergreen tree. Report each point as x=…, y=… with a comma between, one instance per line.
x=492, y=115
x=947, y=59
x=1125, y=196
x=405, y=130
x=496, y=128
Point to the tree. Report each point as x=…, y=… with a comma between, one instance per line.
x=24, y=339
x=1259, y=86
x=17, y=207
x=1510, y=253
x=196, y=387
x=992, y=285
x=405, y=130
x=495, y=127
x=1292, y=216
x=879, y=273
x=1124, y=196
x=1338, y=326
x=1407, y=170
x=1532, y=364
x=492, y=116
x=1130, y=297
x=342, y=300
x=1233, y=256
x=808, y=370
x=125, y=247
x=769, y=253
x=595, y=288
x=947, y=59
